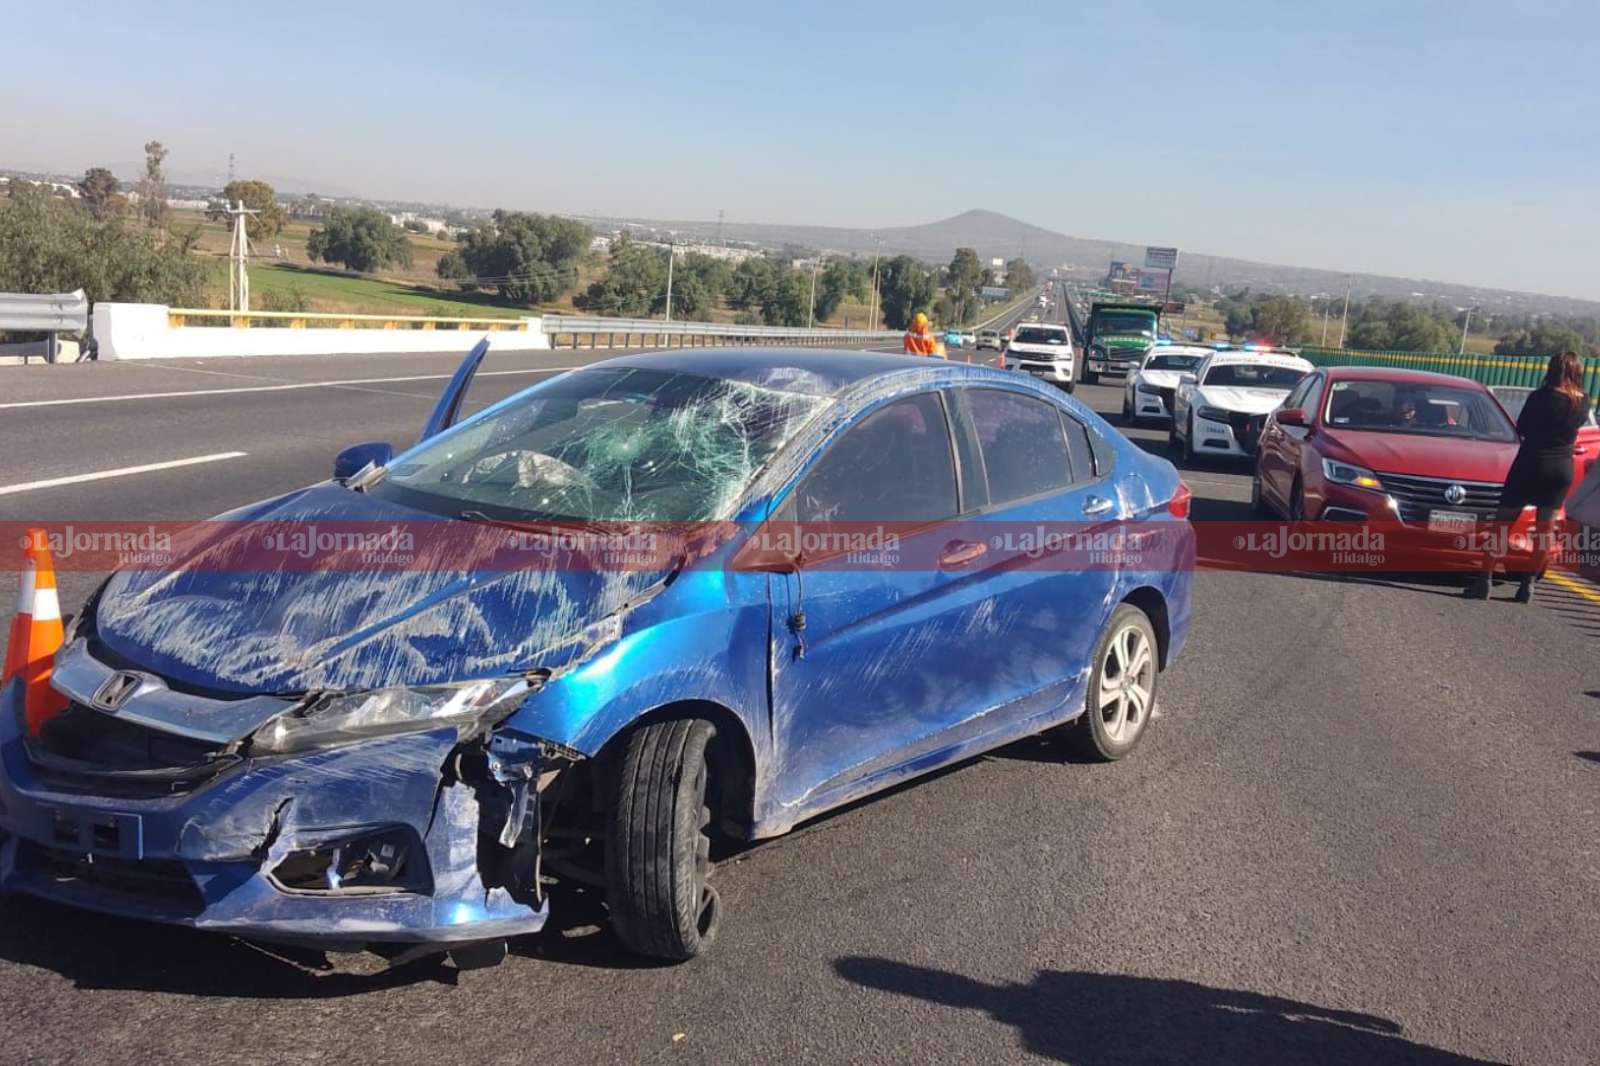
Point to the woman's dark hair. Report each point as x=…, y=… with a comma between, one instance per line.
x=1565, y=375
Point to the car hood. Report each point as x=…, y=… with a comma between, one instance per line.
x=350, y=623
x=1243, y=400
x=1049, y=352
x=1160, y=379
x=1418, y=455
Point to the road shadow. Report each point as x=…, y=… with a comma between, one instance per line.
x=96, y=951
x=1451, y=586
x=1588, y=756
x=1094, y=1019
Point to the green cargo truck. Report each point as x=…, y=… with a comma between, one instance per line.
x=1116, y=338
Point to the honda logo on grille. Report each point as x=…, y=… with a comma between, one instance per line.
x=115, y=691
x=1455, y=494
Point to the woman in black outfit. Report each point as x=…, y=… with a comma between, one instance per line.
x=1541, y=473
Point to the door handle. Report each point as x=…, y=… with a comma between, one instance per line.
x=962, y=552
x=1096, y=505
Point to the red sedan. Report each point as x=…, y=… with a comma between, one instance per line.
x=1418, y=451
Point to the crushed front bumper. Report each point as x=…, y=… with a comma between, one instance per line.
x=214, y=857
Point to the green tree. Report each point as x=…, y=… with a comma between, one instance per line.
x=840, y=278
x=1019, y=276
x=48, y=245
x=153, y=189
x=101, y=193
x=750, y=281
x=451, y=267
x=635, y=282
x=787, y=299
x=1391, y=326
x=1281, y=319
x=258, y=196
x=528, y=258
x=361, y=238
x=1544, y=339
x=906, y=287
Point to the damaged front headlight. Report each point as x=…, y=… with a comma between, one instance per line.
x=343, y=718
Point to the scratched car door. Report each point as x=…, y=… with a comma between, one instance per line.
x=869, y=671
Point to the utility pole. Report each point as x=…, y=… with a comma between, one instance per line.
x=1464, y=325
x=872, y=319
x=672, y=255
x=238, y=256
x=1344, y=319
x=230, y=168
x=1327, y=308
x=811, y=315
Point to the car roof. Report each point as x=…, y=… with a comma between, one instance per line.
x=1047, y=325
x=1395, y=374
x=1181, y=349
x=811, y=371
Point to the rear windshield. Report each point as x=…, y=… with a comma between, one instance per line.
x=1035, y=335
x=1254, y=376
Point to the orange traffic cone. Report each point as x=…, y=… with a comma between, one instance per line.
x=36, y=634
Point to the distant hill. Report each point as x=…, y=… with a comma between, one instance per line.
x=992, y=234
x=216, y=179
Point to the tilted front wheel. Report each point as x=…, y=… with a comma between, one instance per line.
x=1122, y=687
x=658, y=851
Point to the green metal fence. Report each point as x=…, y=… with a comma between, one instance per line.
x=1525, y=370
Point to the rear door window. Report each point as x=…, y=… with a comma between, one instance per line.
x=1022, y=443
x=893, y=466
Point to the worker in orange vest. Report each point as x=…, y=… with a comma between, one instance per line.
x=919, y=338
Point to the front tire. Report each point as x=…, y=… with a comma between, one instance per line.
x=1188, y=443
x=658, y=848
x=1122, y=687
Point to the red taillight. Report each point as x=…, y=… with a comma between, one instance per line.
x=1178, y=506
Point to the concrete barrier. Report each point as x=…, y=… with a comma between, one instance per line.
x=147, y=331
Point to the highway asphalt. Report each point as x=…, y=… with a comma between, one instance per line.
x=1365, y=829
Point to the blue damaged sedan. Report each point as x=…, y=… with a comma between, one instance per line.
x=845, y=570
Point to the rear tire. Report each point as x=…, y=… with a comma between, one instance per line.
x=1091, y=378
x=658, y=848
x=1188, y=443
x=1297, y=502
x=1258, y=504
x=1123, y=678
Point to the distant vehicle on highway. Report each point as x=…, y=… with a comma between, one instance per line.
x=569, y=638
x=1584, y=455
x=1116, y=338
x=969, y=339
x=989, y=338
x=1045, y=351
x=1371, y=444
x=952, y=338
x=1149, y=390
x=1220, y=408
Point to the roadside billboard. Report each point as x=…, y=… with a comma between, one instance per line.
x=1161, y=258
x=995, y=292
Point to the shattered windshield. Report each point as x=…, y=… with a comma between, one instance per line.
x=615, y=444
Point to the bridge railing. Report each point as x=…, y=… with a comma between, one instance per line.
x=603, y=332
x=184, y=317
x=1522, y=370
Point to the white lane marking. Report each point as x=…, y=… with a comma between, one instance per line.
x=124, y=471
x=273, y=388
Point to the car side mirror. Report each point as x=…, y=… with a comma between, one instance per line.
x=354, y=459
x=1187, y=379
x=1293, y=416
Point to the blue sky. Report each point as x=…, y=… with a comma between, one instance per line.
x=1456, y=141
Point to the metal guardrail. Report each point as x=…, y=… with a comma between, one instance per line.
x=181, y=316
x=685, y=334
x=61, y=312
